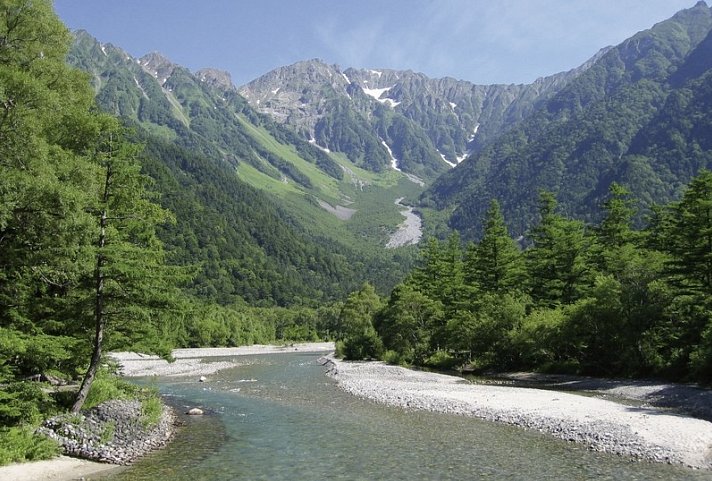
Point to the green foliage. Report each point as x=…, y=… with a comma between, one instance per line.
x=151, y=408
x=410, y=323
x=107, y=386
x=557, y=263
x=21, y=444
x=496, y=263
x=441, y=359
x=602, y=300
x=691, y=237
x=638, y=116
x=356, y=335
x=362, y=345
x=24, y=403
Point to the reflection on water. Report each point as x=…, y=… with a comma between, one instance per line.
x=277, y=417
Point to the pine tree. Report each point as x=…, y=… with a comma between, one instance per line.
x=556, y=263
x=691, y=237
x=45, y=126
x=129, y=280
x=410, y=322
x=495, y=264
x=615, y=244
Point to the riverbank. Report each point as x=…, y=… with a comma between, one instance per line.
x=200, y=361
x=188, y=362
x=642, y=432
x=62, y=468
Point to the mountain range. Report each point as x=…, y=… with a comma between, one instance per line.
x=295, y=175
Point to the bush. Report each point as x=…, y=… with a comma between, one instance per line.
x=24, y=402
x=441, y=360
x=394, y=357
x=366, y=345
x=19, y=444
x=106, y=387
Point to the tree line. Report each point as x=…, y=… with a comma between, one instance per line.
x=603, y=299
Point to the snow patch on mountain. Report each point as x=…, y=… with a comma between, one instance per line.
x=140, y=88
x=376, y=73
x=394, y=161
x=348, y=81
x=453, y=105
x=472, y=137
x=376, y=93
x=313, y=142
x=445, y=159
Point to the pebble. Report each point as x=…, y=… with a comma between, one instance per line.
x=112, y=432
x=368, y=380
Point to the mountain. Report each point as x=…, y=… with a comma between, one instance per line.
x=382, y=118
x=260, y=212
x=638, y=116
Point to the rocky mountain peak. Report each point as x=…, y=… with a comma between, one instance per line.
x=215, y=78
x=157, y=65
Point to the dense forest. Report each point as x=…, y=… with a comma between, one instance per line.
x=83, y=267
x=603, y=299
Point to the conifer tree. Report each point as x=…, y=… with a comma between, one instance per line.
x=556, y=263
x=691, y=237
x=495, y=264
x=129, y=279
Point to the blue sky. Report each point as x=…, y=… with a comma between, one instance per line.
x=483, y=41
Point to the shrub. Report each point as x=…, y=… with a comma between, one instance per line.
x=18, y=444
x=441, y=360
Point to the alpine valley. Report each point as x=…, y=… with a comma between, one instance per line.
x=295, y=178
x=562, y=226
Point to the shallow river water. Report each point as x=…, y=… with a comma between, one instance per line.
x=277, y=417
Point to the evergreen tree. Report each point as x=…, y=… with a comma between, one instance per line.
x=496, y=263
x=45, y=127
x=357, y=336
x=557, y=263
x=129, y=278
x=441, y=274
x=691, y=237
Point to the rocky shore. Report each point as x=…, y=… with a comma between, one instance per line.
x=198, y=361
x=113, y=432
x=645, y=433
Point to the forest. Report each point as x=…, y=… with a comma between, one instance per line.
x=83, y=268
x=603, y=300
x=111, y=239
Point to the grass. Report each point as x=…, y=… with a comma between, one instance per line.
x=371, y=194
x=107, y=386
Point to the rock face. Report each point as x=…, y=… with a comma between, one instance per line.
x=112, y=432
x=216, y=78
x=456, y=116
x=157, y=65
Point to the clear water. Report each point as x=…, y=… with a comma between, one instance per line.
x=277, y=417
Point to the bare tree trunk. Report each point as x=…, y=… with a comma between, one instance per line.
x=99, y=317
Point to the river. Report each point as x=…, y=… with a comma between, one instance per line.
x=410, y=231
x=278, y=417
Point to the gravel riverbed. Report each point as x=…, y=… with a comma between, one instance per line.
x=200, y=362
x=647, y=433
